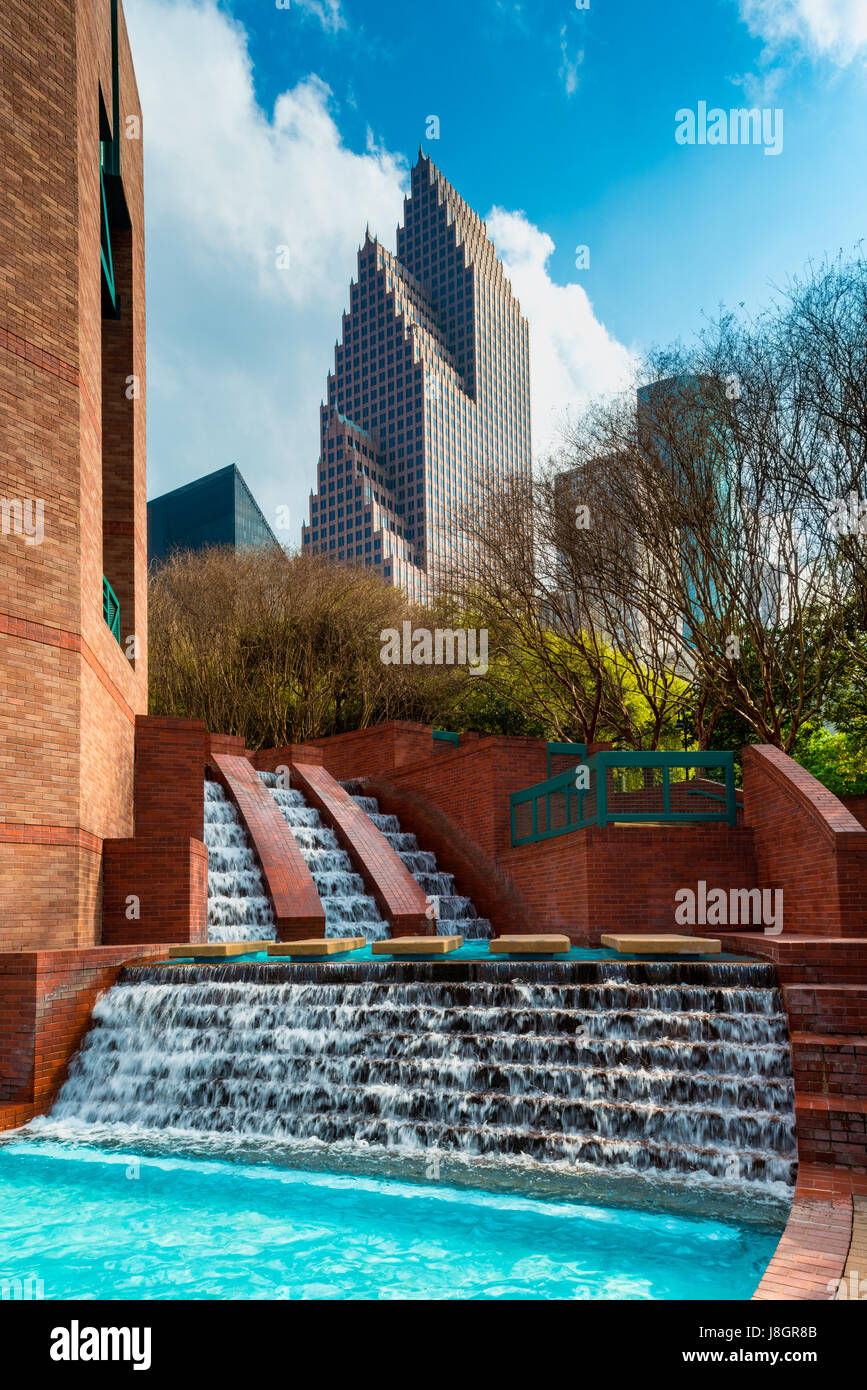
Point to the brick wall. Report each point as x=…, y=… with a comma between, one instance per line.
x=70, y=439
x=269, y=759
x=807, y=843
x=170, y=756
x=46, y=998
x=375, y=750
x=857, y=807
x=167, y=879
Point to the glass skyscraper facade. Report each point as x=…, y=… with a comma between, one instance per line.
x=218, y=509
x=429, y=400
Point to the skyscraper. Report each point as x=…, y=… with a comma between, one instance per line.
x=218, y=509
x=429, y=399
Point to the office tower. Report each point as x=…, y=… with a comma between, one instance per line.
x=218, y=509
x=429, y=400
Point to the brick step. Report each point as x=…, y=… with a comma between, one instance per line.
x=832, y=1129
x=830, y=1063
x=804, y=959
x=814, y=1008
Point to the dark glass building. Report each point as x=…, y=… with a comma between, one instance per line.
x=218, y=509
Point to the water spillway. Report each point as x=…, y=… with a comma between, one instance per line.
x=239, y=908
x=455, y=915
x=349, y=911
x=662, y=1068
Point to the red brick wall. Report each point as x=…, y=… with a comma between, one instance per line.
x=807, y=843
x=269, y=759
x=168, y=875
x=378, y=749
x=856, y=806
x=624, y=878
x=46, y=998
x=70, y=693
x=170, y=757
x=619, y=878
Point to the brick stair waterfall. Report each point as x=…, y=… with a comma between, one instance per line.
x=455, y=915
x=349, y=911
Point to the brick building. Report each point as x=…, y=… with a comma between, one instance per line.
x=73, y=548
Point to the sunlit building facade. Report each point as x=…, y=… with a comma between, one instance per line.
x=428, y=404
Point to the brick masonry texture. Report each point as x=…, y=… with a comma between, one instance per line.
x=857, y=807
x=46, y=998
x=812, y=1252
x=170, y=757
x=806, y=843
x=70, y=437
x=168, y=877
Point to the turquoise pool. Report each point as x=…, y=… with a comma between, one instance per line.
x=87, y=1223
x=470, y=951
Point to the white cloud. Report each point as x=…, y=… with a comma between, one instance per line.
x=572, y=355
x=834, y=29
x=568, y=73
x=328, y=12
x=239, y=350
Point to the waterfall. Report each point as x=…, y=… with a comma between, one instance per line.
x=456, y=915
x=239, y=908
x=658, y=1068
x=349, y=911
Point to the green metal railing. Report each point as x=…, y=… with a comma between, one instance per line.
x=110, y=608
x=105, y=234
x=571, y=750
x=589, y=795
x=443, y=736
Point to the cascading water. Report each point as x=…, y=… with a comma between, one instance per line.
x=348, y=909
x=663, y=1068
x=456, y=915
x=239, y=909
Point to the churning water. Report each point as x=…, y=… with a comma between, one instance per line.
x=661, y=1068
x=216, y=1230
x=239, y=909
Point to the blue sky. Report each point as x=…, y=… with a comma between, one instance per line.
x=293, y=127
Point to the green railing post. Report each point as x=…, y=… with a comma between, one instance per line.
x=110, y=609
x=731, y=798
x=601, y=789
x=666, y=791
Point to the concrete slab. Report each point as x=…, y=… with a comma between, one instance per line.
x=219, y=950
x=529, y=945
x=317, y=946
x=661, y=944
x=417, y=946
